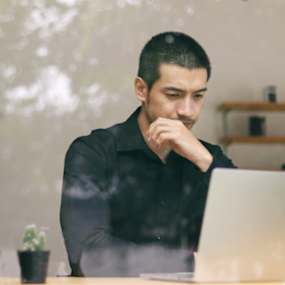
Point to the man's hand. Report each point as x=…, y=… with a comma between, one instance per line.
x=167, y=134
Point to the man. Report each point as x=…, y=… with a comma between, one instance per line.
x=134, y=194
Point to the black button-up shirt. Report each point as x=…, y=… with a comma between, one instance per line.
x=118, y=193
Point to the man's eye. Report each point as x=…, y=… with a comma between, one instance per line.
x=198, y=96
x=173, y=94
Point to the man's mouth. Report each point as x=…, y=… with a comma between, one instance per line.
x=188, y=123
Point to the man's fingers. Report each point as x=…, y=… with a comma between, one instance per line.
x=154, y=126
x=159, y=130
x=161, y=122
x=164, y=137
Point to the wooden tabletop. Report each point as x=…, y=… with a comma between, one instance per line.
x=107, y=281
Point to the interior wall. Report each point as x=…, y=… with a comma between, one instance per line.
x=68, y=66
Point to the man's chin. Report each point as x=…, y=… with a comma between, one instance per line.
x=189, y=126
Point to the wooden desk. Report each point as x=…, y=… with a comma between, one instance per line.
x=109, y=281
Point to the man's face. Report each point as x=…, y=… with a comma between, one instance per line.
x=178, y=94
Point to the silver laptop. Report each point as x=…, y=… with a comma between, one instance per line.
x=243, y=231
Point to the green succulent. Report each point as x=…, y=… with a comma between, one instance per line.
x=34, y=239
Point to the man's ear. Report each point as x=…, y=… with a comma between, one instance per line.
x=141, y=89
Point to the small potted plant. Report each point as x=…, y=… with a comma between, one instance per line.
x=34, y=257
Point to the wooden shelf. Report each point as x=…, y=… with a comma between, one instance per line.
x=253, y=139
x=252, y=106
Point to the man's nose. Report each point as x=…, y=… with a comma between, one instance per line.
x=185, y=108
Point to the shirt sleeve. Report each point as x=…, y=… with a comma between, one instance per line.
x=220, y=160
x=84, y=213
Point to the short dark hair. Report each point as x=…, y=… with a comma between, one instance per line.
x=172, y=48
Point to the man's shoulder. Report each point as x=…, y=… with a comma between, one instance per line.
x=101, y=137
x=104, y=134
x=111, y=137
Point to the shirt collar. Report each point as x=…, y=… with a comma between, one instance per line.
x=129, y=136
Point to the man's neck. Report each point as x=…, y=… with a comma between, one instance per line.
x=143, y=125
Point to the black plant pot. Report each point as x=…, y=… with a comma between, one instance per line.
x=34, y=266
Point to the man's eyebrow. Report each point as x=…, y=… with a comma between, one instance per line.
x=201, y=90
x=175, y=89
x=171, y=88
